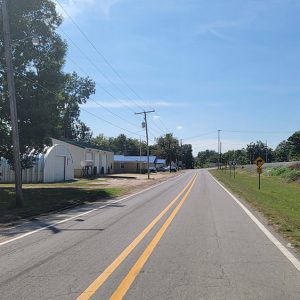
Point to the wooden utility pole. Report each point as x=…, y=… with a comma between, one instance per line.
x=146, y=126
x=12, y=104
x=219, y=149
x=140, y=155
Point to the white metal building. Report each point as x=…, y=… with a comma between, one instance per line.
x=88, y=158
x=55, y=165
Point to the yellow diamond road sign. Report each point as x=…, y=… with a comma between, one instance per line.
x=259, y=161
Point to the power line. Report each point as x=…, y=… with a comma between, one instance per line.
x=256, y=131
x=99, y=53
x=157, y=127
x=96, y=67
x=96, y=116
x=163, y=124
x=105, y=60
x=201, y=134
x=105, y=90
x=103, y=74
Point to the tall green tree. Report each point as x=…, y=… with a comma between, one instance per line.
x=187, y=156
x=120, y=145
x=259, y=149
x=47, y=98
x=168, y=148
x=76, y=91
x=283, y=151
x=294, y=141
x=204, y=158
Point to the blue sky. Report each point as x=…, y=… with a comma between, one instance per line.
x=202, y=65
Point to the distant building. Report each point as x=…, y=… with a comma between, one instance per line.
x=133, y=164
x=88, y=159
x=55, y=165
x=159, y=162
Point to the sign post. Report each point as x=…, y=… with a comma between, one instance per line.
x=259, y=162
x=234, y=165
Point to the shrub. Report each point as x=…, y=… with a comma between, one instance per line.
x=290, y=173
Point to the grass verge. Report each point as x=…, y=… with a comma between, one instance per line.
x=278, y=200
x=40, y=200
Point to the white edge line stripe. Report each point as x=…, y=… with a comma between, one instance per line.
x=86, y=213
x=270, y=236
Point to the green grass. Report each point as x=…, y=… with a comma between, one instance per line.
x=278, y=200
x=43, y=199
x=76, y=183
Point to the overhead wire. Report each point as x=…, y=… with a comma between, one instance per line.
x=96, y=116
x=163, y=124
x=100, y=85
x=105, y=60
x=101, y=54
x=201, y=134
x=256, y=131
x=99, y=70
x=101, y=105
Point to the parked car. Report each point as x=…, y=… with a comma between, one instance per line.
x=152, y=169
x=173, y=169
x=160, y=169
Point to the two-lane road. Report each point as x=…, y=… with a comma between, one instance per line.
x=184, y=239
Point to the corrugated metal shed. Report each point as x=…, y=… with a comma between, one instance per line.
x=55, y=165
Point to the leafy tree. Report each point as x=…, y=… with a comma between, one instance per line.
x=294, y=141
x=204, y=158
x=101, y=141
x=47, y=98
x=76, y=91
x=283, y=151
x=82, y=132
x=259, y=149
x=168, y=148
x=240, y=156
x=120, y=144
x=187, y=156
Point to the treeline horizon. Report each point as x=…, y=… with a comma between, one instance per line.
x=287, y=150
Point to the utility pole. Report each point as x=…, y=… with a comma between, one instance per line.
x=13, y=105
x=146, y=126
x=181, y=154
x=219, y=149
x=266, y=151
x=140, y=155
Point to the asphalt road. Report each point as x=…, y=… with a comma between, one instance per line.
x=184, y=239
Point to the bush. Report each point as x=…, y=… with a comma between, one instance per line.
x=279, y=171
x=290, y=173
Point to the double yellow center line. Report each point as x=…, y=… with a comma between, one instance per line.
x=130, y=277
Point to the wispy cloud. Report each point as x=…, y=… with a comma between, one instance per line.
x=217, y=27
x=75, y=7
x=156, y=117
x=179, y=127
x=134, y=104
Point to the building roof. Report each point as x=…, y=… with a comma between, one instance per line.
x=160, y=161
x=123, y=158
x=83, y=145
